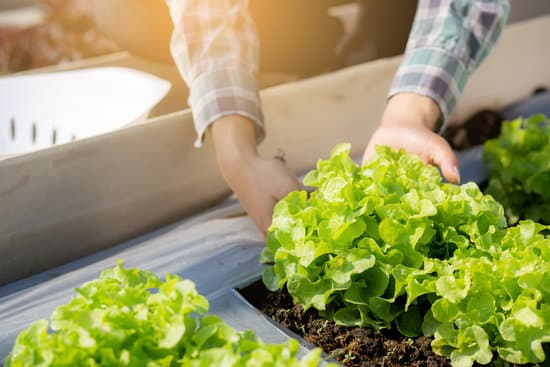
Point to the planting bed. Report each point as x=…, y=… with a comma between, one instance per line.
x=388, y=246
x=219, y=266
x=365, y=281
x=217, y=249
x=352, y=346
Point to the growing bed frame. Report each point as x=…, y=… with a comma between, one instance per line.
x=54, y=211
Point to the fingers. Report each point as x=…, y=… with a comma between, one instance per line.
x=259, y=209
x=443, y=156
x=369, y=152
x=264, y=222
x=288, y=184
x=270, y=181
x=262, y=214
x=451, y=173
x=429, y=146
x=282, y=181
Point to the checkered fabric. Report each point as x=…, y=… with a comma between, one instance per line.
x=216, y=49
x=448, y=41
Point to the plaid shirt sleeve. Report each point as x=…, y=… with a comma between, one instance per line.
x=216, y=48
x=448, y=41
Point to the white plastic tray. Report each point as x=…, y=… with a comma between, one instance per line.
x=41, y=110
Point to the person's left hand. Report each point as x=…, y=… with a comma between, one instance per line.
x=407, y=123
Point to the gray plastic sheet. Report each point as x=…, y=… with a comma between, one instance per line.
x=216, y=252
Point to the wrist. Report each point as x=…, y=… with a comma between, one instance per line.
x=414, y=109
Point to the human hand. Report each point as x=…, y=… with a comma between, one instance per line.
x=407, y=123
x=258, y=182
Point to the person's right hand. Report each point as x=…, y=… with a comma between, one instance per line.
x=258, y=182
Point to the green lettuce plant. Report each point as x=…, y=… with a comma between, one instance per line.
x=519, y=168
x=388, y=244
x=495, y=302
x=129, y=317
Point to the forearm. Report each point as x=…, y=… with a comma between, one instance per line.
x=448, y=41
x=234, y=140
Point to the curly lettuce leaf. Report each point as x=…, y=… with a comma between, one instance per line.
x=129, y=317
x=390, y=245
x=519, y=168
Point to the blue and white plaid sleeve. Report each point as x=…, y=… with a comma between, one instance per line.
x=448, y=41
x=216, y=48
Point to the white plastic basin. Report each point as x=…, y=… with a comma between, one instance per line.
x=41, y=110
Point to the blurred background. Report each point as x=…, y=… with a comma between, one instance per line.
x=334, y=33
x=37, y=33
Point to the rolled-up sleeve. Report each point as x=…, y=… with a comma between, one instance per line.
x=216, y=48
x=448, y=41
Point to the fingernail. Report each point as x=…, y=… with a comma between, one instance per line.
x=456, y=173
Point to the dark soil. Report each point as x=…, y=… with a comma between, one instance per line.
x=479, y=128
x=353, y=346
